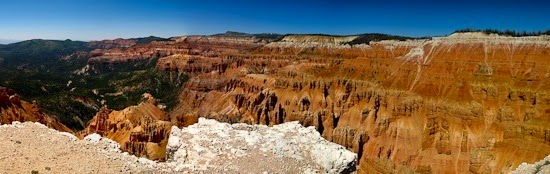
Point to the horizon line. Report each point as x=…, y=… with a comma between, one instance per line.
x=10, y=41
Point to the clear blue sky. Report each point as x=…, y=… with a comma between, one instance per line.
x=108, y=19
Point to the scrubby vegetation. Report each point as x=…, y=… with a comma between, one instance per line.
x=272, y=36
x=122, y=85
x=505, y=32
x=362, y=39
x=37, y=51
x=40, y=72
x=146, y=40
x=366, y=38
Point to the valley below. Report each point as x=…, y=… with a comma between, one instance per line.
x=469, y=102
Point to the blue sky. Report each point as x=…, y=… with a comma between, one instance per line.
x=108, y=19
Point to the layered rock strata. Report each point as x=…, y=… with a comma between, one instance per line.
x=466, y=103
x=429, y=106
x=141, y=130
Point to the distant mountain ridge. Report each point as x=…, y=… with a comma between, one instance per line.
x=7, y=41
x=362, y=37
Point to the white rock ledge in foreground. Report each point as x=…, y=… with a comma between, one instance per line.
x=284, y=148
x=542, y=167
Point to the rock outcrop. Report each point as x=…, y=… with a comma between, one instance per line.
x=142, y=130
x=287, y=148
x=228, y=40
x=284, y=148
x=110, y=44
x=314, y=41
x=12, y=108
x=540, y=167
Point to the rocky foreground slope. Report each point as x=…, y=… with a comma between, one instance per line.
x=284, y=148
x=540, y=167
x=209, y=147
x=27, y=147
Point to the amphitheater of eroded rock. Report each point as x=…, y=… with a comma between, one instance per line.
x=464, y=103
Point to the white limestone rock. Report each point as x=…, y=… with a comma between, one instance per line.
x=541, y=167
x=209, y=144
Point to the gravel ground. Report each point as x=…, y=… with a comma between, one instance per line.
x=32, y=147
x=230, y=148
x=207, y=147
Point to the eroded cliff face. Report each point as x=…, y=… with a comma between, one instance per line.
x=141, y=130
x=467, y=103
x=225, y=40
x=110, y=44
x=12, y=108
x=317, y=41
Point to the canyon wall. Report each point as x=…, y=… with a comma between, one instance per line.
x=466, y=103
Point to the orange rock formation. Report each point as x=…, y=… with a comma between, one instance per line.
x=12, y=108
x=141, y=130
x=466, y=103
